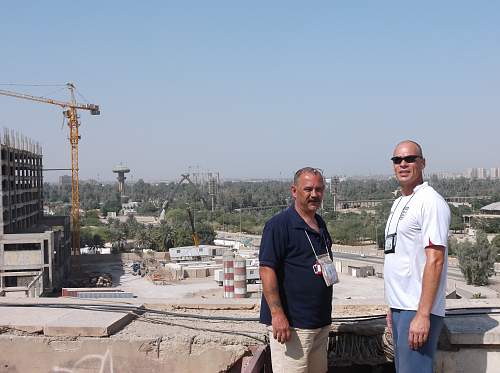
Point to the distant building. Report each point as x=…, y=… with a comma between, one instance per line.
x=33, y=256
x=495, y=173
x=476, y=173
x=482, y=173
x=129, y=208
x=471, y=173
x=492, y=208
x=65, y=180
x=195, y=253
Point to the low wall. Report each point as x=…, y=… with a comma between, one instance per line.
x=110, y=355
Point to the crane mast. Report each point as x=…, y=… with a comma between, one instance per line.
x=70, y=113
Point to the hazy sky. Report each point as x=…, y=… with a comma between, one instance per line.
x=257, y=88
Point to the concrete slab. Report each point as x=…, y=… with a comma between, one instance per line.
x=87, y=323
x=30, y=320
x=60, y=318
x=473, y=329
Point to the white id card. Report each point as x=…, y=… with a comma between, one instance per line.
x=390, y=244
x=328, y=270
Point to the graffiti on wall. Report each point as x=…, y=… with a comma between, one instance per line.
x=99, y=364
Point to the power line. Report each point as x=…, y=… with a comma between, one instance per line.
x=32, y=85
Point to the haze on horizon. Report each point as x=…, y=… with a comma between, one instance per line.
x=256, y=90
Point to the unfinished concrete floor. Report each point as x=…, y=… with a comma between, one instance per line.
x=190, y=327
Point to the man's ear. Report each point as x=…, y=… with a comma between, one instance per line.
x=293, y=190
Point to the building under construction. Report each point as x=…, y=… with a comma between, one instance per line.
x=34, y=249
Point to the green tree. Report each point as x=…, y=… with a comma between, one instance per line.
x=91, y=217
x=144, y=238
x=476, y=259
x=496, y=241
x=206, y=233
x=117, y=237
x=112, y=204
x=182, y=236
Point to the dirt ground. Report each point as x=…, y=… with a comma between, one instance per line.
x=351, y=295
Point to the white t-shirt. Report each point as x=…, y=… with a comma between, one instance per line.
x=420, y=220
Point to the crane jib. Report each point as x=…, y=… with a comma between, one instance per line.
x=71, y=115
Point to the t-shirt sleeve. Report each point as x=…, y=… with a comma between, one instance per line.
x=272, y=246
x=435, y=222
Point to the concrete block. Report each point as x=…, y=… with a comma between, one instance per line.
x=473, y=329
x=87, y=323
x=73, y=292
x=467, y=360
x=104, y=294
x=201, y=273
x=28, y=319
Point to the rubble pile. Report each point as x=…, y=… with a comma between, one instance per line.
x=91, y=280
x=101, y=280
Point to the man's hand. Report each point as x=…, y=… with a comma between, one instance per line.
x=281, y=328
x=419, y=331
x=388, y=318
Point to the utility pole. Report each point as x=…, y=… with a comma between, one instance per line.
x=335, y=183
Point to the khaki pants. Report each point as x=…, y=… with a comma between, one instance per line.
x=305, y=352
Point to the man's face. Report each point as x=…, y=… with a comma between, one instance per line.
x=308, y=192
x=409, y=174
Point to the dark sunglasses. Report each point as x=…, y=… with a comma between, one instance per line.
x=407, y=159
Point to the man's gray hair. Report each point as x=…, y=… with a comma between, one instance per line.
x=307, y=170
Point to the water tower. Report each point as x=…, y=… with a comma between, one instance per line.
x=121, y=170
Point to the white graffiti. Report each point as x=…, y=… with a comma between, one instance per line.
x=102, y=363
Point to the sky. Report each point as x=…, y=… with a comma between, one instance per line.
x=256, y=89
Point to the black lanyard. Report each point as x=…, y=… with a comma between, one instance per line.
x=401, y=213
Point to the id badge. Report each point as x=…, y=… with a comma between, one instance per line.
x=328, y=270
x=390, y=244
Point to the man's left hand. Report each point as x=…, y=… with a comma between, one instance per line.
x=419, y=331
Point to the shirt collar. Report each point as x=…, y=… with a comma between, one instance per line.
x=421, y=186
x=299, y=223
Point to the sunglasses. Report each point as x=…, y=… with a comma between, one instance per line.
x=407, y=159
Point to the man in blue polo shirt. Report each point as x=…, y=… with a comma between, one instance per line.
x=294, y=257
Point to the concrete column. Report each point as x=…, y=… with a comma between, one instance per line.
x=228, y=263
x=240, y=277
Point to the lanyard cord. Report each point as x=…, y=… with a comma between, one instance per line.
x=312, y=246
x=392, y=215
x=401, y=213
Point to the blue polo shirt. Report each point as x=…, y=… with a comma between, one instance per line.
x=305, y=298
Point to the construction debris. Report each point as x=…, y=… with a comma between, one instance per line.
x=91, y=280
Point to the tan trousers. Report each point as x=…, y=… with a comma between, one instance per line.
x=305, y=352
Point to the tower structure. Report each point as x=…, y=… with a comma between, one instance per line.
x=334, y=190
x=121, y=170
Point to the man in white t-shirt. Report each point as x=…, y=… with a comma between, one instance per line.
x=415, y=265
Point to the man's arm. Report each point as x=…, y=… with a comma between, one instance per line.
x=420, y=325
x=281, y=328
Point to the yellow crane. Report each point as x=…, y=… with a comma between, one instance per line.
x=71, y=115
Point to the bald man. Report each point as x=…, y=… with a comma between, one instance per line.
x=415, y=264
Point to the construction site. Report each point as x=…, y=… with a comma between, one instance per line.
x=190, y=309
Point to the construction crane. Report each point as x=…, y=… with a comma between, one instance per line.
x=171, y=196
x=194, y=235
x=71, y=115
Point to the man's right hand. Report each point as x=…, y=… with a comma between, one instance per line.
x=281, y=328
